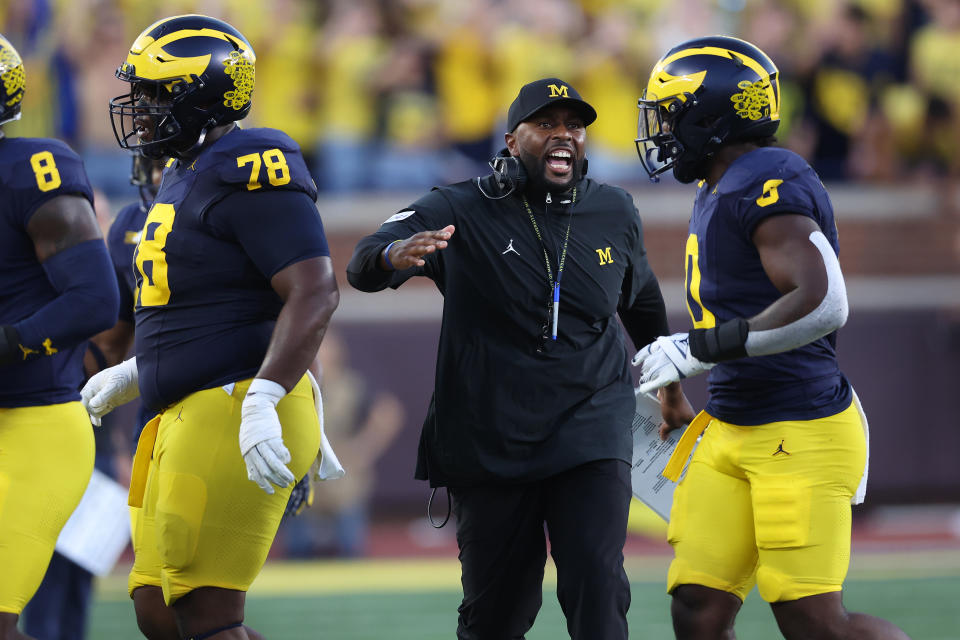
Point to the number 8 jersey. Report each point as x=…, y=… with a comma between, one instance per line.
x=725, y=279
x=33, y=171
x=219, y=229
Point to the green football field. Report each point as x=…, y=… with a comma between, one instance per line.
x=417, y=599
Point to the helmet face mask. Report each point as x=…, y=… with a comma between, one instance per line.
x=187, y=74
x=656, y=143
x=702, y=95
x=12, y=82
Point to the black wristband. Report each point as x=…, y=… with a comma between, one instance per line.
x=9, y=345
x=724, y=342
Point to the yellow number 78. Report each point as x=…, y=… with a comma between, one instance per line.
x=278, y=173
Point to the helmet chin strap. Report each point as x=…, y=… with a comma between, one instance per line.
x=195, y=148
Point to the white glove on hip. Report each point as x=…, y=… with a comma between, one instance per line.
x=261, y=437
x=109, y=389
x=667, y=359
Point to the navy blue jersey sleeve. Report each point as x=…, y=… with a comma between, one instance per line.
x=775, y=196
x=121, y=241
x=430, y=213
x=275, y=228
x=253, y=161
x=49, y=168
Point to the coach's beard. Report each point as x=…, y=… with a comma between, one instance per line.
x=537, y=174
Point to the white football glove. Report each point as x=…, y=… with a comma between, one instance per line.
x=261, y=437
x=109, y=389
x=667, y=359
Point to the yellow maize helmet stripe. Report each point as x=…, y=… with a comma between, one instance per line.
x=663, y=85
x=153, y=62
x=680, y=84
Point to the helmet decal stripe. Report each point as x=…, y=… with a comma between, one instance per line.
x=663, y=85
x=772, y=88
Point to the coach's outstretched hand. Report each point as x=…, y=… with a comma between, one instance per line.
x=404, y=254
x=261, y=436
x=109, y=389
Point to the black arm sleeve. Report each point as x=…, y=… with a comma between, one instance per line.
x=363, y=270
x=641, y=308
x=646, y=319
x=431, y=212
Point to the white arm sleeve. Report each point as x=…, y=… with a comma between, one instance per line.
x=830, y=314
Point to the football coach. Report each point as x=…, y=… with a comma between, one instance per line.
x=530, y=420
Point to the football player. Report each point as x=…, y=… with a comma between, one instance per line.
x=56, y=290
x=61, y=604
x=235, y=290
x=766, y=497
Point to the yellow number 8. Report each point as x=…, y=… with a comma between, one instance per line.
x=151, y=256
x=48, y=178
x=277, y=171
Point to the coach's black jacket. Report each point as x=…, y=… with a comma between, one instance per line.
x=509, y=405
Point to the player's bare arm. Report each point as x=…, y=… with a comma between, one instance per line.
x=61, y=223
x=310, y=295
x=794, y=266
x=404, y=254
x=800, y=263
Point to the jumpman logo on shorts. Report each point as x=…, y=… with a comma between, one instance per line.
x=510, y=248
x=179, y=417
x=780, y=449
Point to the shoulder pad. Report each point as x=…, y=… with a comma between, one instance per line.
x=257, y=160
x=754, y=169
x=39, y=169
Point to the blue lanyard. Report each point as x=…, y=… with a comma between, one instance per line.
x=554, y=286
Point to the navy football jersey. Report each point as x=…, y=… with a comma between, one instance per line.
x=725, y=280
x=121, y=241
x=33, y=171
x=213, y=238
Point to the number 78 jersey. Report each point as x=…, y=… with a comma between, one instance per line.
x=205, y=309
x=725, y=279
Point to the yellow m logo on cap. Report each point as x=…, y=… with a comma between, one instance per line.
x=558, y=92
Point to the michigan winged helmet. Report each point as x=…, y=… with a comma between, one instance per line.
x=701, y=95
x=12, y=82
x=187, y=74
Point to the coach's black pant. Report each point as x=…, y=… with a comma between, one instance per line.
x=500, y=531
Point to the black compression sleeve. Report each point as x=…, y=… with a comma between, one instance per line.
x=723, y=342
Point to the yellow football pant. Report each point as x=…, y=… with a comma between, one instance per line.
x=46, y=458
x=203, y=523
x=768, y=504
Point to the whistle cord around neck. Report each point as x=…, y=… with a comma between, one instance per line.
x=554, y=302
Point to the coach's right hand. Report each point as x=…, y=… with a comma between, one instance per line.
x=261, y=436
x=109, y=389
x=403, y=254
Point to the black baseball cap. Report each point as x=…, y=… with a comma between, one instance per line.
x=543, y=93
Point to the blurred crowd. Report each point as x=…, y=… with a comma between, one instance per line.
x=397, y=94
